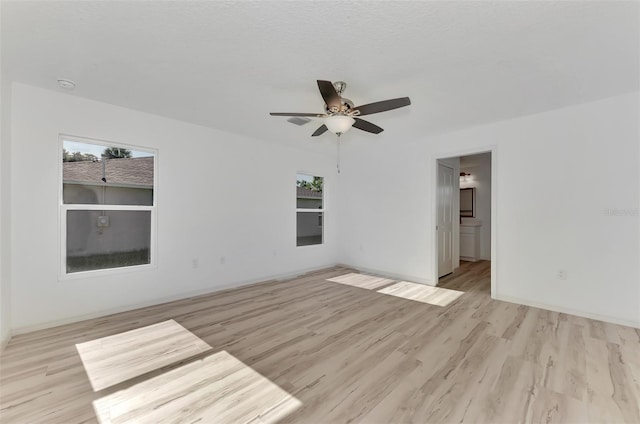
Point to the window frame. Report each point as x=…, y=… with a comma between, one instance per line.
x=64, y=208
x=322, y=210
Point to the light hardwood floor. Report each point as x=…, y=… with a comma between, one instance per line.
x=309, y=350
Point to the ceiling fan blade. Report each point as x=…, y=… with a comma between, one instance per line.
x=367, y=126
x=383, y=106
x=329, y=94
x=316, y=115
x=321, y=130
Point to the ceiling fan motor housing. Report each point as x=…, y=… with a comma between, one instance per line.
x=347, y=105
x=340, y=86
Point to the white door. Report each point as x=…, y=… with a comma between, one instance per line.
x=445, y=219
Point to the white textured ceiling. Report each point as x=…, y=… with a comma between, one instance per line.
x=227, y=64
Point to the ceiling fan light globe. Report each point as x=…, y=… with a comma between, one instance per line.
x=339, y=124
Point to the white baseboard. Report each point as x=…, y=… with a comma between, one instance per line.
x=393, y=275
x=158, y=301
x=555, y=308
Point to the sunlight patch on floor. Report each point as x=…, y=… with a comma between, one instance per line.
x=422, y=293
x=361, y=280
x=216, y=389
x=121, y=357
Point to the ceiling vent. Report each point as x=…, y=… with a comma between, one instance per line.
x=299, y=121
x=66, y=84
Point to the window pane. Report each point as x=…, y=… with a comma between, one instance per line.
x=107, y=239
x=309, y=192
x=105, y=195
x=97, y=174
x=309, y=228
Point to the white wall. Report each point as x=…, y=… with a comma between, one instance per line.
x=219, y=195
x=5, y=216
x=479, y=166
x=384, y=210
x=556, y=175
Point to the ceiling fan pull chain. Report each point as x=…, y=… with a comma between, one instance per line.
x=338, y=155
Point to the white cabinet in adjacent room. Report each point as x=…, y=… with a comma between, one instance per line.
x=470, y=241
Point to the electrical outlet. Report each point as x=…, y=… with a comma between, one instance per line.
x=194, y=263
x=562, y=274
x=223, y=260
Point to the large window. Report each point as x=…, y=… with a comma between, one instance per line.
x=107, y=206
x=309, y=210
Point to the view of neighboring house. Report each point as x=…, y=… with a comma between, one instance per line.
x=109, y=237
x=127, y=181
x=309, y=224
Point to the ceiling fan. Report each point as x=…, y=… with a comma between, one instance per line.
x=341, y=114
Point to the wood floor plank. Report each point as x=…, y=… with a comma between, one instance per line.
x=361, y=280
x=114, y=359
x=208, y=390
x=422, y=293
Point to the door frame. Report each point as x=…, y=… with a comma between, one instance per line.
x=493, y=149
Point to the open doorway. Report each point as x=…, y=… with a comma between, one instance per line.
x=465, y=203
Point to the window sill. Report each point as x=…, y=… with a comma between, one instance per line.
x=105, y=272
